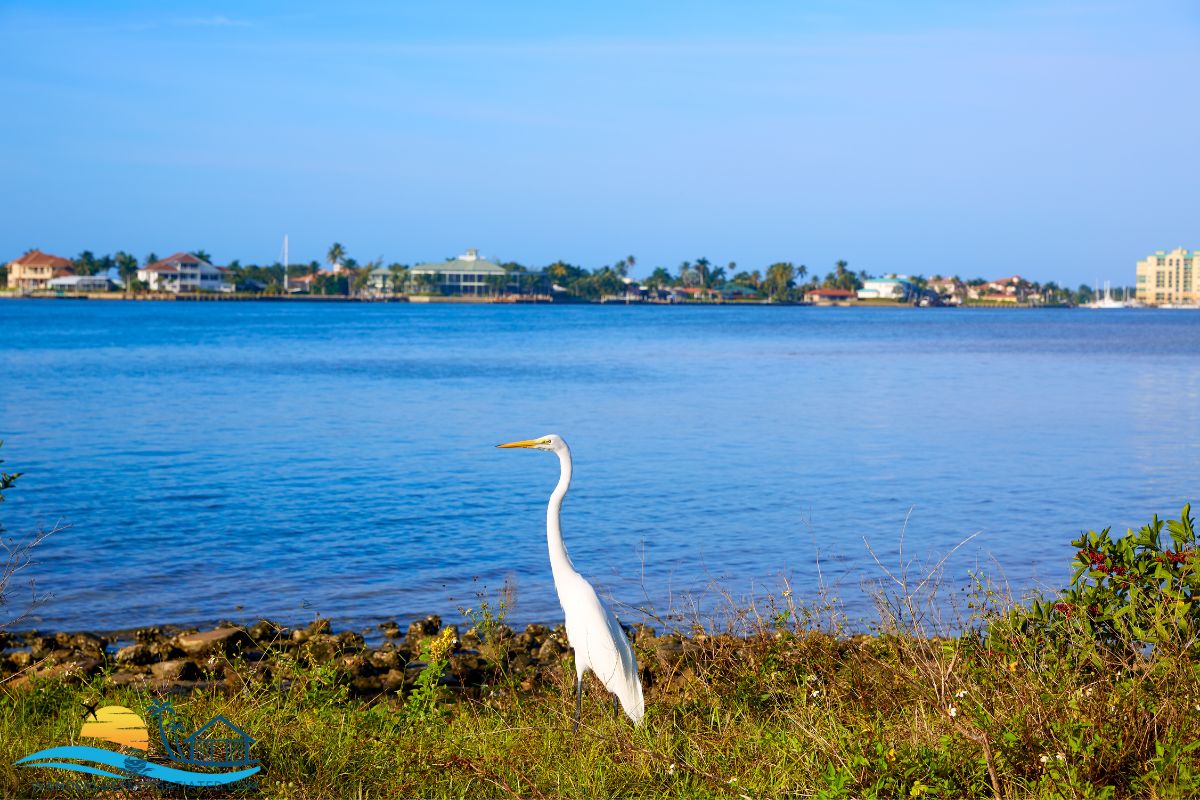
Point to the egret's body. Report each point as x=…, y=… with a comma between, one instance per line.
x=592, y=630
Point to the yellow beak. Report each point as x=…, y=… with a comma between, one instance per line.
x=525, y=443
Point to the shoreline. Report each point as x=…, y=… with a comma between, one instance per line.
x=182, y=659
x=505, y=300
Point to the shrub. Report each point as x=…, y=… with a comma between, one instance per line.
x=1132, y=592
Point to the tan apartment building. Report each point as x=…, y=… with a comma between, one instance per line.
x=1169, y=278
x=35, y=269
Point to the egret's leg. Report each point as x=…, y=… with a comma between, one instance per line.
x=578, y=700
x=616, y=708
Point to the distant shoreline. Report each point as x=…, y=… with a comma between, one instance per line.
x=192, y=297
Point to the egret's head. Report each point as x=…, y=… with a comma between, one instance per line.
x=551, y=443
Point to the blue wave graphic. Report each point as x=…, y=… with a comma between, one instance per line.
x=76, y=768
x=129, y=764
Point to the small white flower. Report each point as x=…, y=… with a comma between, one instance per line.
x=953, y=711
x=1060, y=756
x=671, y=770
x=811, y=678
x=961, y=695
x=733, y=780
x=787, y=592
x=1044, y=758
x=815, y=693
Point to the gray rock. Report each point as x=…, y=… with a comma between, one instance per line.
x=551, y=651
x=266, y=631
x=349, y=640
x=392, y=680
x=222, y=641
x=180, y=669
x=321, y=648
x=136, y=653
x=422, y=629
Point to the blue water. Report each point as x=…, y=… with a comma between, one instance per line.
x=230, y=460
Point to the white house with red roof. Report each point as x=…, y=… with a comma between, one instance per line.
x=184, y=272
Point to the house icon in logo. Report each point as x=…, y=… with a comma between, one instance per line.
x=214, y=747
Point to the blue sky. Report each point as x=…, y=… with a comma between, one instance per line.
x=1054, y=139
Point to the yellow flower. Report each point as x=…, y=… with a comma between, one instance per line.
x=440, y=647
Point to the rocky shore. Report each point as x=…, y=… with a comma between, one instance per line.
x=180, y=661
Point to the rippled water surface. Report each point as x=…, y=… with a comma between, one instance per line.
x=230, y=460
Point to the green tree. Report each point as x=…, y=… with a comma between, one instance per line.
x=127, y=267
x=688, y=277
x=842, y=278
x=151, y=258
x=780, y=280
x=336, y=254
x=203, y=255
x=362, y=277
x=659, y=278
x=84, y=263
x=398, y=276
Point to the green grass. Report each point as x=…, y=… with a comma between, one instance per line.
x=782, y=703
x=776, y=714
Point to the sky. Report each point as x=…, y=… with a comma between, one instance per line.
x=1054, y=139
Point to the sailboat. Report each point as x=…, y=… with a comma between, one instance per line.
x=1106, y=300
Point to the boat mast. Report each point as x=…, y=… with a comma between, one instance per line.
x=285, y=265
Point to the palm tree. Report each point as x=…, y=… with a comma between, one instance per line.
x=127, y=267
x=781, y=278
x=687, y=275
x=336, y=254
x=399, y=276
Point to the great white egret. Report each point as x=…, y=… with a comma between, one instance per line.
x=592, y=630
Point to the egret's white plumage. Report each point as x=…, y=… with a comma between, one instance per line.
x=592, y=630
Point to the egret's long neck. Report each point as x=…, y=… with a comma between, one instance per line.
x=560, y=562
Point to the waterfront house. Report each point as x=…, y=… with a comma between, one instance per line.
x=694, y=293
x=36, y=269
x=382, y=282
x=951, y=290
x=80, y=283
x=1002, y=290
x=184, y=272
x=1169, y=278
x=467, y=274
x=300, y=284
x=830, y=297
x=889, y=288
x=631, y=292
x=738, y=291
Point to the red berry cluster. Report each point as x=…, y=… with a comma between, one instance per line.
x=1099, y=562
x=1181, y=557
